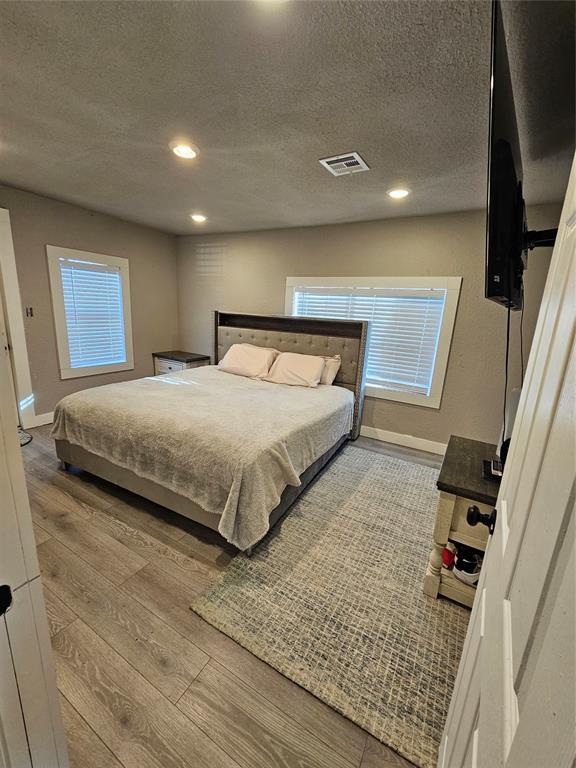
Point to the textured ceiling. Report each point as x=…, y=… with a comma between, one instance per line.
x=91, y=94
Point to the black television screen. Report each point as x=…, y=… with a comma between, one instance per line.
x=505, y=208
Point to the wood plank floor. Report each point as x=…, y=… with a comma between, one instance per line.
x=144, y=682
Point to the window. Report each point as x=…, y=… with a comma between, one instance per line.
x=411, y=323
x=91, y=302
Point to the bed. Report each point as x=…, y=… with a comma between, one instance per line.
x=228, y=452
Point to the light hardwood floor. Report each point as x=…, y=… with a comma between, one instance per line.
x=144, y=682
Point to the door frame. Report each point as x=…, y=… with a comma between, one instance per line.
x=31, y=728
x=461, y=741
x=16, y=334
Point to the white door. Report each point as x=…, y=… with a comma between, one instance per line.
x=6, y=346
x=13, y=574
x=31, y=733
x=13, y=741
x=513, y=703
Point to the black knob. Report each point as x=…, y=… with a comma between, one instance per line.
x=474, y=516
x=5, y=598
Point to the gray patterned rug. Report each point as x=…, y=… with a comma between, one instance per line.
x=333, y=600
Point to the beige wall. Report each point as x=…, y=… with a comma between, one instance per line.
x=38, y=221
x=247, y=272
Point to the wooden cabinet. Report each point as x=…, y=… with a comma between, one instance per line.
x=176, y=360
x=461, y=484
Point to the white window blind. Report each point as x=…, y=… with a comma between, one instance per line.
x=91, y=303
x=405, y=327
x=94, y=313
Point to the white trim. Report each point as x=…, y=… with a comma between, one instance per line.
x=427, y=401
x=511, y=714
x=56, y=254
x=31, y=732
x=452, y=287
x=377, y=281
x=408, y=441
x=39, y=420
x=15, y=321
x=444, y=343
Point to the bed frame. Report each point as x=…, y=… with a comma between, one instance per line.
x=306, y=335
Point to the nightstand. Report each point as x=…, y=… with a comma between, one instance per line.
x=461, y=484
x=176, y=360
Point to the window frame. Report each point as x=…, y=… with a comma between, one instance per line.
x=451, y=285
x=54, y=254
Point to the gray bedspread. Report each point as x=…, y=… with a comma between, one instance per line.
x=228, y=443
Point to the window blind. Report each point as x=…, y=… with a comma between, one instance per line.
x=405, y=328
x=94, y=313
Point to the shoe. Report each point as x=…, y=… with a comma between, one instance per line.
x=467, y=568
x=448, y=555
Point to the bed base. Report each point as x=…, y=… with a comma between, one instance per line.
x=312, y=336
x=73, y=455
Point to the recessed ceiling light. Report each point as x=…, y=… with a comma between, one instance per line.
x=187, y=151
x=398, y=194
x=199, y=218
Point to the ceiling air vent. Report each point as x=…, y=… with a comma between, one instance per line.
x=341, y=165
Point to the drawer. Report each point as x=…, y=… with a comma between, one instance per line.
x=167, y=366
x=199, y=364
x=476, y=536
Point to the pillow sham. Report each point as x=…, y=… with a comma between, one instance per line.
x=248, y=360
x=331, y=368
x=296, y=370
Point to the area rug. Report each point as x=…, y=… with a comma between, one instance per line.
x=333, y=600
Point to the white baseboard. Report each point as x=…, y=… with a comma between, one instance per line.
x=397, y=438
x=38, y=420
x=408, y=441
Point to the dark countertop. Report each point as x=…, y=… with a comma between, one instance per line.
x=181, y=357
x=461, y=472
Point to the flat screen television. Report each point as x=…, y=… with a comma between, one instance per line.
x=505, y=227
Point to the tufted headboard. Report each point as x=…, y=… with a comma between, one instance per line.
x=307, y=335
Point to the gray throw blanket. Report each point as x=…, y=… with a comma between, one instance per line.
x=228, y=443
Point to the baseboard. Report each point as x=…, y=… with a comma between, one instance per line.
x=38, y=420
x=408, y=441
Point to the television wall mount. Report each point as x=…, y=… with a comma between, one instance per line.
x=538, y=238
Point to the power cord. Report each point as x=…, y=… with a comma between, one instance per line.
x=506, y=370
x=522, y=340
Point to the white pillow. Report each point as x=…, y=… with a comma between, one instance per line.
x=331, y=368
x=248, y=360
x=296, y=370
